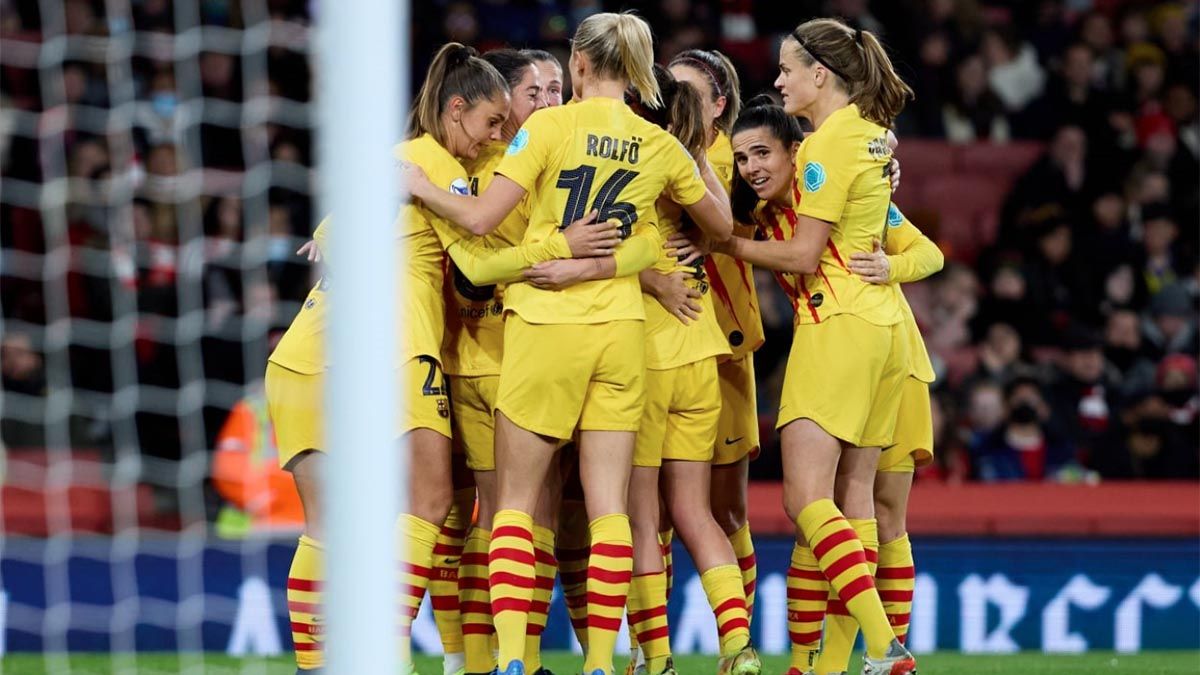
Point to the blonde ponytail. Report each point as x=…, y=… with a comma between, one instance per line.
x=883, y=93
x=620, y=46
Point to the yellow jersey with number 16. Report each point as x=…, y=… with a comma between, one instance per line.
x=842, y=178
x=595, y=154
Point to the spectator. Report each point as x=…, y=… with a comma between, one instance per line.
x=1013, y=69
x=974, y=112
x=1157, y=439
x=1082, y=397
x=1124, y=353
x=999, y=356
x=1171, y=326
x=24, y=390
x=1158, y=240
x=1024, y=446
x=1059, y=178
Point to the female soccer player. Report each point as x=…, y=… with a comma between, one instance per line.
x=595, y=152
x=736, y=304
x=462, y=103
x=848, y=336
x=679, y=423
x=551, y=73
x=907, y=256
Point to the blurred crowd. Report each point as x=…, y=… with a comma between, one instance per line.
x=1066, y=346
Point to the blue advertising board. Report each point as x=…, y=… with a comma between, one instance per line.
x=974, y=595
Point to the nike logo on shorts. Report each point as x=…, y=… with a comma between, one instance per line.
x=731, y=441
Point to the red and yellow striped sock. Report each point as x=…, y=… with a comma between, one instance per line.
x=897, y=579
x=743, y=548
x=475, y=602
x=841, y=630
x=723, y=586
x=648, y=618
x=610, y=568
x=665, y=537
x=443, y=585
x=512, y=572
x=807, y=594
x=304, y=603
x=417, y=539
x=572, y=552
x=840, y=554
x=546, y=567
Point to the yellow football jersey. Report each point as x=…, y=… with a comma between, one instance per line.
x=670, y=343
x=732, y=280
x=474, y=341
x=596, y=154
x=302, y=347
x=902, y=235
x=842, y=178
x=425, y=236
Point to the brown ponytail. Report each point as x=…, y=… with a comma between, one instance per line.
x=682, y=113
x=456, y=70
x=859, y=63
x=724, y=78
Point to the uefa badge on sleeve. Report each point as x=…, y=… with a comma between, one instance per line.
x=814, y=176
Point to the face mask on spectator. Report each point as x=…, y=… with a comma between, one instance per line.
x=1176, y=398
x=279, y=249
x=1121, y=357
x=164, y=103
x=1024, y=413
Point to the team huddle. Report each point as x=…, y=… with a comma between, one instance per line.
x=578, y=323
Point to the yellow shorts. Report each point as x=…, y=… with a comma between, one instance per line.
x=296, y=404
x=426, y=396
x=473, y=400
x=679, y=422
x=913, y=442
x=556, y=377
x=845, y=374
x=737, y=431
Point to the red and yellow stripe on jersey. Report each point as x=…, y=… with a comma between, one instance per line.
x=669, y=342
x=841, y=180
x=732, y=280
x=595, y=154
x=474, y=341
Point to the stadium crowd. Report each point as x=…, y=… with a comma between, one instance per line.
x=1066, y=348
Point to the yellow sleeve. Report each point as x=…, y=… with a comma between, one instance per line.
x=826, y=176
x=912, y=255
x=484, y=265
x=638, y=252
x=321, y=236
x=684, y=185
x=530, y=150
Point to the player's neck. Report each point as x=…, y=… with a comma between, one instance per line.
x=602, y=88
x=825, y=106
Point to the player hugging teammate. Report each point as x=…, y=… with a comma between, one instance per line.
x=579, y=305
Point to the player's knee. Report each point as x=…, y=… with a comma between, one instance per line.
x=890, y=515
x=730, y=517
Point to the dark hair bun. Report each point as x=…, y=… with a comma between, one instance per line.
x=759, y=101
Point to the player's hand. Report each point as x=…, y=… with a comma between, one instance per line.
x=873, y=267
x=311, y=251
x=677, y=297
x=555, y=275
x=413, y=181
x=685, y=249
x=894, y=174
x=589, y=239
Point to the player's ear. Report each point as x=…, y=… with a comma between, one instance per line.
x=456, y=106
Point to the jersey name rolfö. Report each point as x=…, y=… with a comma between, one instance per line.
x=302, y=347
x=595, y=154
x=735, y=298
x=474, y=342
x=670, y=343
x=841, y=175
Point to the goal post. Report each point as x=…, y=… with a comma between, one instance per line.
x=362, y=77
